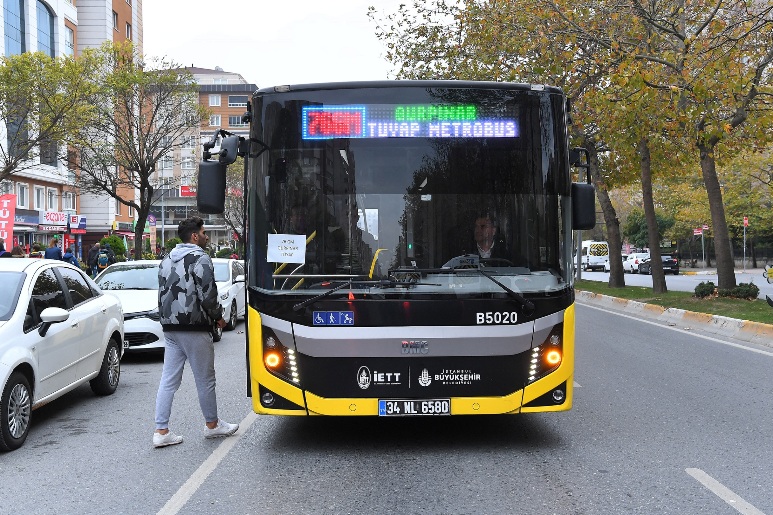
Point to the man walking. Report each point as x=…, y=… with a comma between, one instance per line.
x=92, y=259
x=189, y=306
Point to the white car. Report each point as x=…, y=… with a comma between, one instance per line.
x=57, y=332
x=608, y=267
x=632, y=262
x=135, y=284
x=229, y=276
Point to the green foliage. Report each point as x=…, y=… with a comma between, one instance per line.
x=116, y=243
x=224, y=253
x=45, y=100
x=635, y=227
x=705, y=289
x=748, y=291
x=171, y=243
x=148, y=255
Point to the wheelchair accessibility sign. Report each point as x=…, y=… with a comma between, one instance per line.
x=333, y=318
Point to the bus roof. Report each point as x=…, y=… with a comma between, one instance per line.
x=410, y=83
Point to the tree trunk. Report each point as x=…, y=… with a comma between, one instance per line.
x=614, y=240
x=722, y=250
x=656, y=265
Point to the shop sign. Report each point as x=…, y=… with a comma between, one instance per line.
x=7, y=210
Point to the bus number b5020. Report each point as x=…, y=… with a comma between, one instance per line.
x=496, y=317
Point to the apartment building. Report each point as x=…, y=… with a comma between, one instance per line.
x=47, y=202
x=225, y=95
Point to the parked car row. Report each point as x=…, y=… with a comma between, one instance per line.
x=639, y=263
x=60, y=329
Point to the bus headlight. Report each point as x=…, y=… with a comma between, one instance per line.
x=279, y=359
x=546, y=357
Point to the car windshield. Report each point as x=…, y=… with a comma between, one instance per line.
x=129, y=277
x=221, y=272
x=10, y=284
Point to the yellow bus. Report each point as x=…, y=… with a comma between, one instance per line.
x=408, y=247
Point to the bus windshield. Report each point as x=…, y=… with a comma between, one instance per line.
x=411, y=190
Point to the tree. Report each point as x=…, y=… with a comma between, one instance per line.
x=43, y=102
x=637, y=231
x=141, y=113
x=234, y=200
x=709, y=64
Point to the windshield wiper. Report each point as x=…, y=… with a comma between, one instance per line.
x=528, y=306
x=312, y=300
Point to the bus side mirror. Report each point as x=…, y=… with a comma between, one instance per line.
x=583, y=206
x=229, y=149
x=210, y=191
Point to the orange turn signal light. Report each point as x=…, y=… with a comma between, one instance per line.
x=272, y=359
x=553, y=357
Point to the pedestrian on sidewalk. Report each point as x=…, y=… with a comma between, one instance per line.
x=188, y=273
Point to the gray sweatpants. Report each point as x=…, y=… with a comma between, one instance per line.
x=197, y=347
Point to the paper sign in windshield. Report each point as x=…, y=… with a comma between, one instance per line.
x=286, y=248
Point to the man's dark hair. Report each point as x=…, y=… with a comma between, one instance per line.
x=488, y=213
x=188, y=227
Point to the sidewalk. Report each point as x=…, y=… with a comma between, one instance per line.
x=744, y=330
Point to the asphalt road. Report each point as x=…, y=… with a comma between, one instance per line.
x=664, y=422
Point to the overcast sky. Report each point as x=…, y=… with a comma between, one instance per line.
x=270, y=43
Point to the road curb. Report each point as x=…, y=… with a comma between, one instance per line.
x=745, y=330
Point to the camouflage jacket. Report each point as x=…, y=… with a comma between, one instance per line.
x=187, y=292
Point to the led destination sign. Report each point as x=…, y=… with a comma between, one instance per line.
x=404, y=121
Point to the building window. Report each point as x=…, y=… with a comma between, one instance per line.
x=117, y=207
x=115, y=20
x=188, y=141
x=214, y=120
x=214, y=100
x=45, y=30
x=131, y=211
x=6, y=187
x=166, y=163
x=128, y=31
x=69, y=41
x=236, y=121
x=68, y=201
x=219, y=81
x=53, y=199
x=13, y=14
x=237, y=100
x=22, y=190
x=40, y=198
x=188, y=163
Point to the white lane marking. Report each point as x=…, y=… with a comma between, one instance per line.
x=186, y=491
x=577, y=385
x=724, y=493
x=693, y=333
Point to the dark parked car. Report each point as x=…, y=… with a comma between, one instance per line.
x=669, y=265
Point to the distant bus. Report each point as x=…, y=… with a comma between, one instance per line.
x=367, y=292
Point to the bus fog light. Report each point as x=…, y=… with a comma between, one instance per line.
x=558, y=395
x=267, y=399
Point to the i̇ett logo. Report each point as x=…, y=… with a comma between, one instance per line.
x=363, y=377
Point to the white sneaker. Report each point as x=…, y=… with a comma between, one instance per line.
x=221, y=429
x=169, y=438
